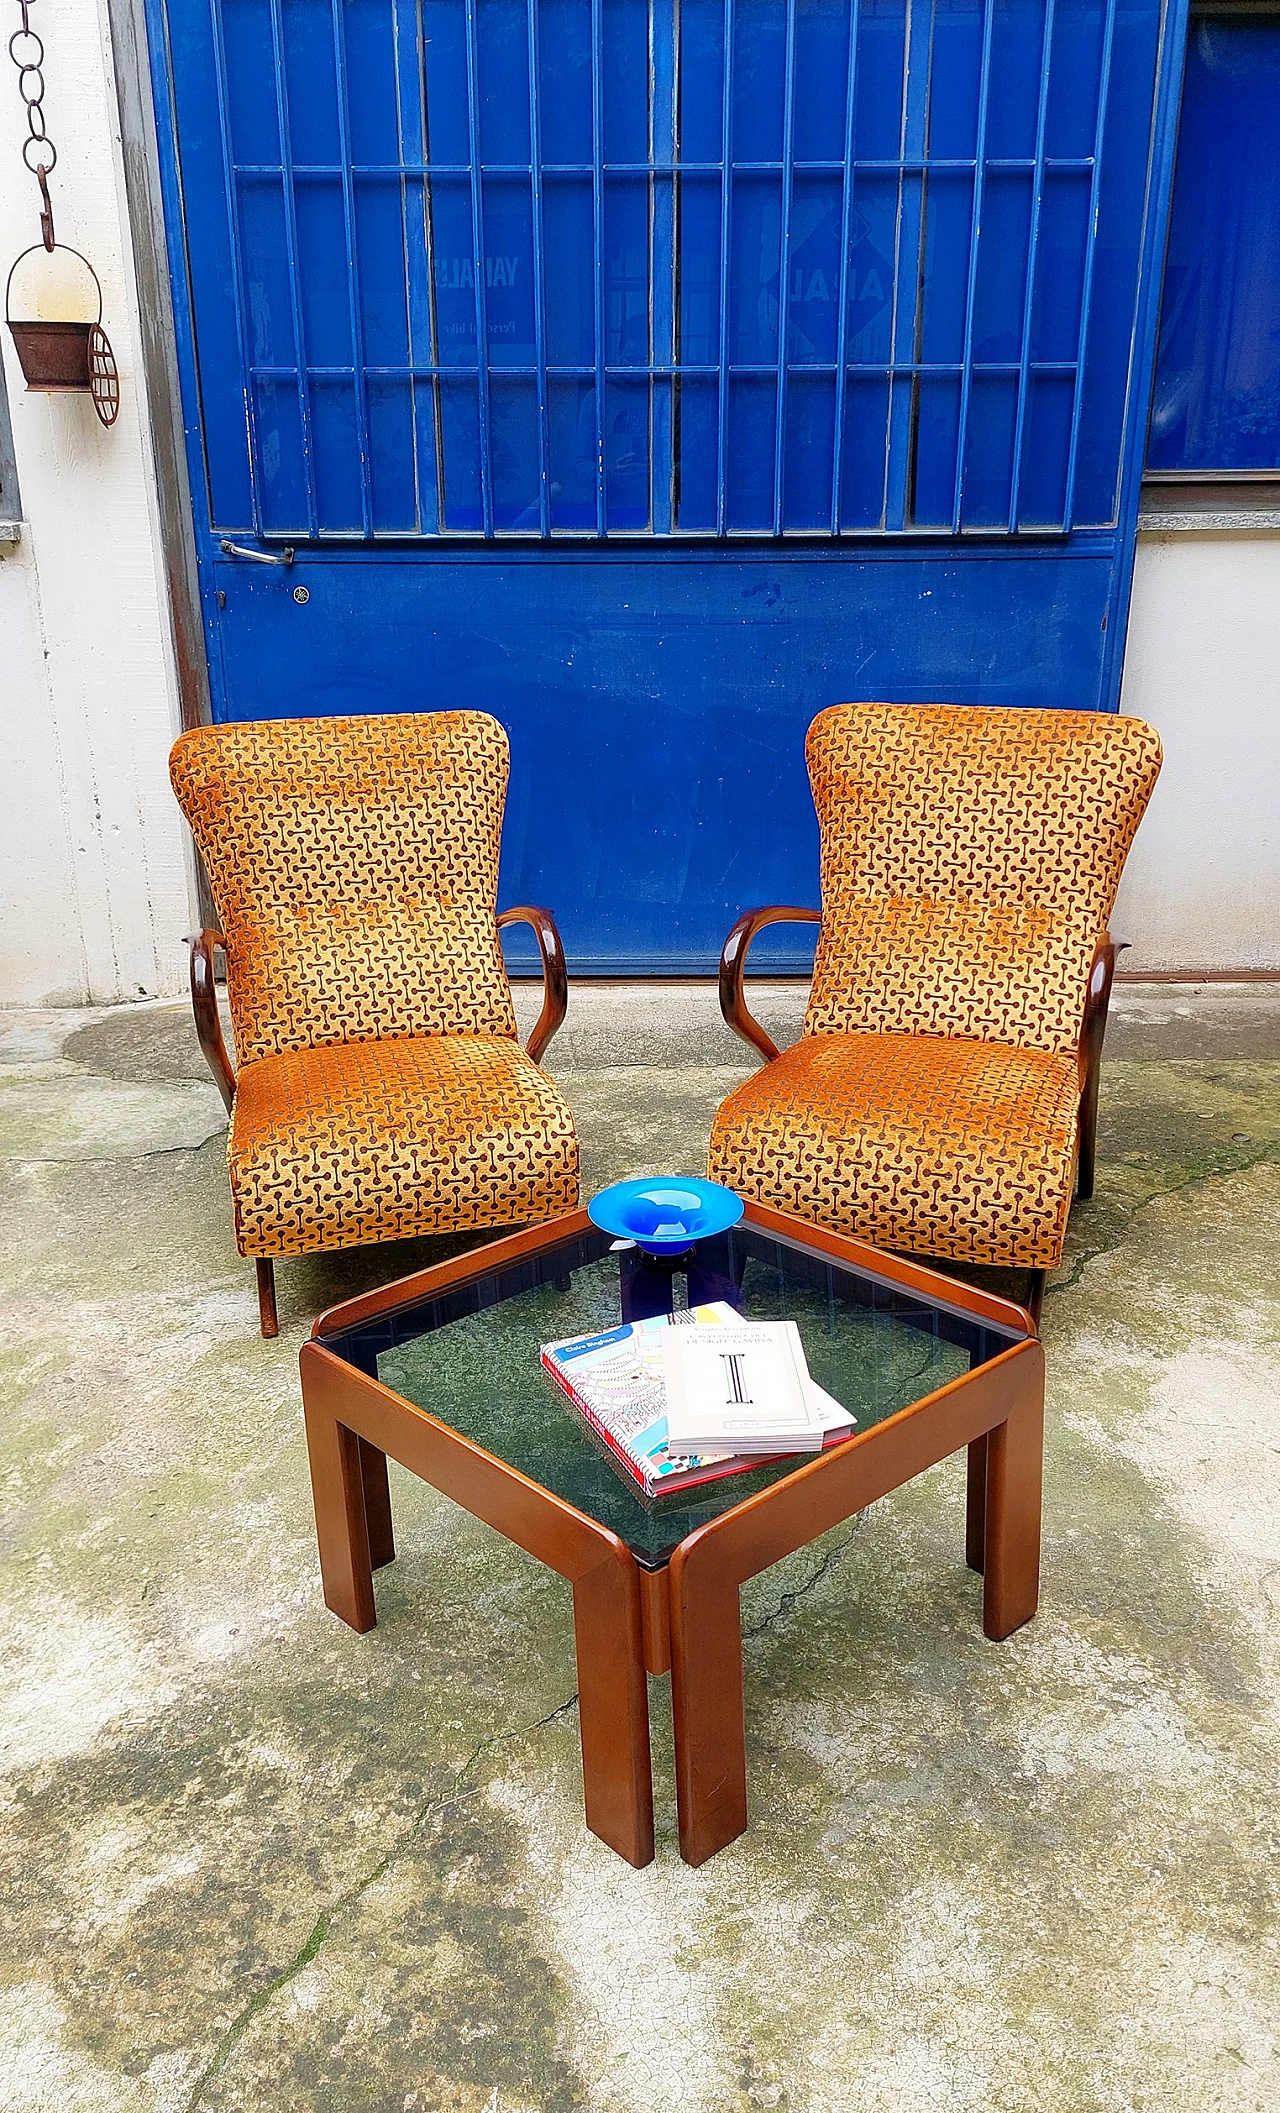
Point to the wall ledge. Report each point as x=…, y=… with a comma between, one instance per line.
x=1165, y=521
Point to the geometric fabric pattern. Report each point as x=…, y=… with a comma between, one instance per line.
x=970, y=860
x=387, y=1140
x=354, y=864
x=381, y=1092
x=949, y=1147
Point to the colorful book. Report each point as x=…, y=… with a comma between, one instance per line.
x=617, y=1382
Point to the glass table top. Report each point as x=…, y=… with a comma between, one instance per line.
x=470, y=1358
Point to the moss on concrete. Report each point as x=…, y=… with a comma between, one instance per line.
x=252, y=1861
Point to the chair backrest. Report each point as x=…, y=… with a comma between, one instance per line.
x=970, y=860
x=354, y=864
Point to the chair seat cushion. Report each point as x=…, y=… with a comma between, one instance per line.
x=929, y=1145
x=391, y=1139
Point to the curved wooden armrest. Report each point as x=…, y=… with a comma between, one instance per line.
x=1096, y=1001
x=555, y=976
x=733, y=963
x=204, y=1004
x=1089, y=1056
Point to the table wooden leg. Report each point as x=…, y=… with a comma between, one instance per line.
x=655, y=1619
x=706, y=1704
x=613, y=1709
x=1015, y=1466
x=342, y=1529
x=975, y=1520
x=377, y=1505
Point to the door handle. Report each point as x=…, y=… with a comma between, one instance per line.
x=258, y=557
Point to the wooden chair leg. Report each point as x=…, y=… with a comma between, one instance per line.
x=1035, y=1293
x=1092, y=1034
x=267, y=1297
x=1087, y=1145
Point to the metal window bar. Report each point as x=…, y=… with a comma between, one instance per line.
x=410, y=84
x=921, y=206
x=477, y=269
x=291, y=259
x=353, y=268
x=1029, y=294
x=423, y=370
x=232, y=196
x=784, y=266
x=597, y=227
x=909, y=235
x=539, y=279
x=432, y=375
x=971, y=285
x=726, y=222
x=664, y=73
x=391, y=172
x=846, y=233
x=1082, y=345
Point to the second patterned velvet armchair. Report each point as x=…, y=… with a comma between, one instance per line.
x=379, y=1091
x=943, y=1096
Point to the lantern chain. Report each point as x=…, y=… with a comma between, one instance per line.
x=26, y=49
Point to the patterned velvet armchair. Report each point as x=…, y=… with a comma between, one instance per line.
x=944, y=1093
x=380, y=1092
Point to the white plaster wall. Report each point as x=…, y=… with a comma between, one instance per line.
x=41, y=951
x=1202, y=664
x=94, y=877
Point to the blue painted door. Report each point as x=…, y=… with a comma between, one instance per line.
x=652, y=373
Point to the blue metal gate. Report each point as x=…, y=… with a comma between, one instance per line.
x=654, y=372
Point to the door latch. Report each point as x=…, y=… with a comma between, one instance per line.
x=259, y=557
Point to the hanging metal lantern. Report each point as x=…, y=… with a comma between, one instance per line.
x=54, y=355
x=61, y=355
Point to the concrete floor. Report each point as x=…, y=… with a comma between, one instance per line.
x=252, y=1861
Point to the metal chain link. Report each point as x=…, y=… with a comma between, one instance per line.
x=26, y=49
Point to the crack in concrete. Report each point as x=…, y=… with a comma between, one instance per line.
x=1267, y=1157
x=104, y=1159
x=788, y=1599
x=324, y=1922
x=323, y=1925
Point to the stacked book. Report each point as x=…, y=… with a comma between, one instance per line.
x=688, y=1397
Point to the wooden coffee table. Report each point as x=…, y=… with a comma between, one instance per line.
x=440, y=1371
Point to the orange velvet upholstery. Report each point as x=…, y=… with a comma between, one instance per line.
x=381, y=1092
x=354, y=863
x=387, y=1140
x=934, y=1146
x=970, y=860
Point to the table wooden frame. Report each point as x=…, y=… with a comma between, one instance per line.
x=684, y=1617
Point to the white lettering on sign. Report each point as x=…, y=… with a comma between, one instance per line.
x=454, y=273
x=816, y=288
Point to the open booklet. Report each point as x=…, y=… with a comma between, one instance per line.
x=617, y=1382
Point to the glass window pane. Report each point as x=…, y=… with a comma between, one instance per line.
x=1217, y=395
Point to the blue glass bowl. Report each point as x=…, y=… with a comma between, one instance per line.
x=665, y=1213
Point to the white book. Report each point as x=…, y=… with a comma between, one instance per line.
x=745, y=1388
x=616, y=1380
